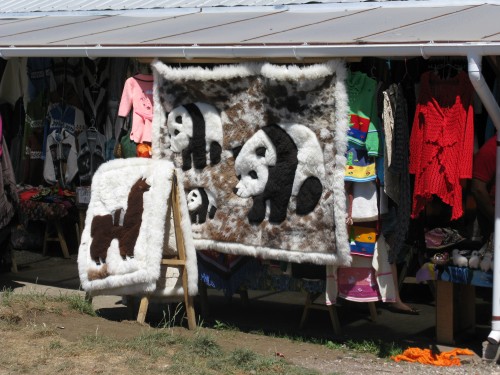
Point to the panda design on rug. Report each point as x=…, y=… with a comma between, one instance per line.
x=200, y=203
x=195, y=129
x=277, y=162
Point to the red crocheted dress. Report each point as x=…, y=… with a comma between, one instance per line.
x=442, y=141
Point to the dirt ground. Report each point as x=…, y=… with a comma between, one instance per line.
x=48, y=341
x=41, y=342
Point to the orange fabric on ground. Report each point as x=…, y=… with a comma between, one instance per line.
x=426, y=357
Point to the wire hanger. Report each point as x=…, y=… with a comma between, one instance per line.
x=405, y=75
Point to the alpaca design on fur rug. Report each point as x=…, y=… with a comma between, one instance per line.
x=105, y=228
x=266, y=143
x=129, y=229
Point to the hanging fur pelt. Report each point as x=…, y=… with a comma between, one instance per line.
x=262, y=147
x=125, y=235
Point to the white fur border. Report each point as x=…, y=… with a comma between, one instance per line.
x=333, y=67
x=340, y=139
x=267, y=252
x=218, y=73
x=143, y=276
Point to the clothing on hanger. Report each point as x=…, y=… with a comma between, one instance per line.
x=137, y=97
x=60, y=164
x=442, y=141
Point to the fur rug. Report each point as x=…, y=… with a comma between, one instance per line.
x=262, y=149
x=126, y=229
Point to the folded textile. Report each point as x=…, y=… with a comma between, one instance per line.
x=438, y=238
x=426, y=357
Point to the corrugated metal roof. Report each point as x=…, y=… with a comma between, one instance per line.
x=24, y=6
x=325, y=24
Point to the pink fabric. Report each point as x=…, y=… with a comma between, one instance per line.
x=138, y=95
x=358, y=284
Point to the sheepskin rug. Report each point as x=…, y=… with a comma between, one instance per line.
x=129, y=228
x=262, y=149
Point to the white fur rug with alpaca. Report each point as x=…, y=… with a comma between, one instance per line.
x=262, y=147
x=128, y=229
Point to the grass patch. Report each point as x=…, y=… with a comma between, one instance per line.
x=36, y=301
x=379, y=348
x=155, y=344
x=221, y=326
x=205, y=346
x=55, y=345
x=7, y=294
x=41, y=331
x=171, y=316
x=78, y=303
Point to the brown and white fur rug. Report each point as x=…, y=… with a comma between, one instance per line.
x=262, y=149
x=128, y=229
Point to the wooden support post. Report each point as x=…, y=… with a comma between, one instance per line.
x=445, y=320
x=466, y=307
x=179, y=261
x=143, y=309
x=455, y=311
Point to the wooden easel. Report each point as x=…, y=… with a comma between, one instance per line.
x=178, y=261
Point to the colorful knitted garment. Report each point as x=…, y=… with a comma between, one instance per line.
x=442, y=140
x=427, y=357
x=362, y=240
x=363, y=120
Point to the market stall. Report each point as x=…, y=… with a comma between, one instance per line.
x=89, y=62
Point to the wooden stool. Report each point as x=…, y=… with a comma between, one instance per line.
x=60, y=237
x=310, y=304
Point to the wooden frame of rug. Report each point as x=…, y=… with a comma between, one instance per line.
x=177, y=261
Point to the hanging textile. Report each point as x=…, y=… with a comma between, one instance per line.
x=442, y=140
x=396, y=174
x=8, y=190
x=61, y=158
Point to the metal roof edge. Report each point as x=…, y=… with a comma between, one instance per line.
x=298, y=52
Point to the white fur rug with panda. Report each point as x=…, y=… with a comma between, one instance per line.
x=125, y=232
x=262, y=149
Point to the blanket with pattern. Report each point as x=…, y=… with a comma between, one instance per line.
x=262, y=149
x=129, y=229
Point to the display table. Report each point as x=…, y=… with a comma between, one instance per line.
x=51, y=211
x=455, y=298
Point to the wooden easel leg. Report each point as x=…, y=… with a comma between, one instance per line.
x=13, y=267
x=307, y=305
x=335, y=320
x=373, y=311
x=191, y=317
x=45, y=238
x=181, y=249
x=62, y=240
x=143, y=309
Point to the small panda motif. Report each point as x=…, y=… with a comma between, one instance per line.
x=201, y=203
x=195, y=129
x=277, y=162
